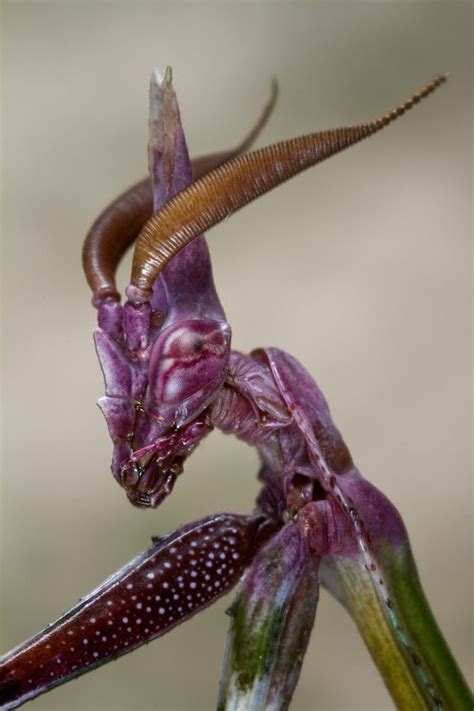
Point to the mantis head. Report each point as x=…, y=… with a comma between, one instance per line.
x=162, y=373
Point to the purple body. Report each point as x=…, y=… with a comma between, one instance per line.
x=170, y=378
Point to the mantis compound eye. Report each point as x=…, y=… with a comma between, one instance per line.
x=189, y=359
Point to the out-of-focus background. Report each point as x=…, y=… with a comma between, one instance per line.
x=360, y=268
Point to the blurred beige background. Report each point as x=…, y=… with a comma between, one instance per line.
x=361, y=268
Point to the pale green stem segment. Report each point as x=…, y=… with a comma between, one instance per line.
x=399, y=629
x=272, y=619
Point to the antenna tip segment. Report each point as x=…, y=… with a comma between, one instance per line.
x=437, y=81
x=274, y=89
x=440, y=78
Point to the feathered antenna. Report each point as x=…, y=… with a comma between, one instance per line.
x=237, y=182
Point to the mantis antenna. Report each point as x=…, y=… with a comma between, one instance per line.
x=222, y=191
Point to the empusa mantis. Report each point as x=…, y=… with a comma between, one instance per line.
x=171, y=377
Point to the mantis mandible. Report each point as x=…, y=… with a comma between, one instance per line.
x=171, y=377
